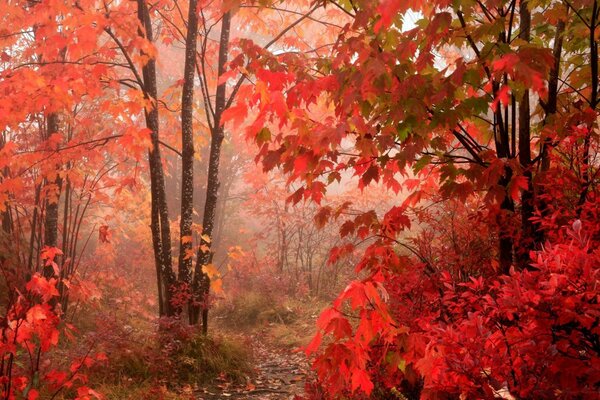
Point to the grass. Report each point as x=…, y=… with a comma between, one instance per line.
x=288, y=323
x=144, y=390
x=166, y=366
x=255, y=309
x=201, y=359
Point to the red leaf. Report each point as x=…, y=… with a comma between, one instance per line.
x=388, y=10
x=314, y=344
x=361, y=380
x=33, y=394
x=517, y=184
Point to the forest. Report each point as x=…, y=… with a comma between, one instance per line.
x=299, y=199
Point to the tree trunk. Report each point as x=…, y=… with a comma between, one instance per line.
x=507, y=208
x=161, y=231
x=586, y=176
x=52, y=199
x=550, y=109
x=527, y=197
x=187, y=148
x=5, y=220
x=201, y=284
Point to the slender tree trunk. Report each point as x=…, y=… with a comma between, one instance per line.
x=5, y=220
x=550, y=109
x=201, y=285
x=507, y=208
x=527, y=197
x=593, y=104
x=161, y=231
x=187, y=148
x=32, y=236
x=220, y=216
x=53, y=191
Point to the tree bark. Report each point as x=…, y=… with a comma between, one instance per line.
x=527, y=197
x=187, y=148
x=201, y=284
x=550, y=109
x=593, y=104
x=161, y=231
x=52, y=200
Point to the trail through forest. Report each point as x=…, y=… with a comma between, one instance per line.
x=279, y=373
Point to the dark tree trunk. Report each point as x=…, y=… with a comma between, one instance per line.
x=6, y=218
x=187, y=148
x=550, y=108
x=586, y=176
x=527, y=197
x=201, y=285
x=161, y=231
x=220, y=216
x=507, y=208
x=53, y=189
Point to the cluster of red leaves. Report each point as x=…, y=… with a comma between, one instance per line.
x=532, y=334
x=29, y=328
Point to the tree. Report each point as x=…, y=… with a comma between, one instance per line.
x=483, y=102
x=55, y=74
x=217, y=104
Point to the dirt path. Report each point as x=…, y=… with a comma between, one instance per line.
x=279, y=374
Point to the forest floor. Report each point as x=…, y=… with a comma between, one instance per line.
x=279, y=373
x=254, y=350
x=280, y=367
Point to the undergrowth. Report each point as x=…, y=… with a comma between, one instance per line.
x=175, y=359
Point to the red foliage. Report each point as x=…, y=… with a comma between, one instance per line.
x=532, y=334
x=497, y=296
x=29, y=328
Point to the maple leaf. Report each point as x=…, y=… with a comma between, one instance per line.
x=43, y=287
x=84, y=393
x=301, y=163
x=205, y=238
x=49, y=253
x=189, y=253
x=210, y=270
x=388, y=9
x=326, y=316
x=506, y=63
x=236, y=113
x=501, y=97
x=347, y=228
x=37, y=313
x=371, y=174
x=322, y=216
x=361, y=380
x=217, y=286
x=517, y=183
x=186, y=239
x=314, y=344
x=57, y=377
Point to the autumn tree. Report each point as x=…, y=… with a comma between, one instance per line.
x=59, y=161
x=481, y=102
x=194, y=25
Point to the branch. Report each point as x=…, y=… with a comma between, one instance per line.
x=273, y=41
x=138, y=77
